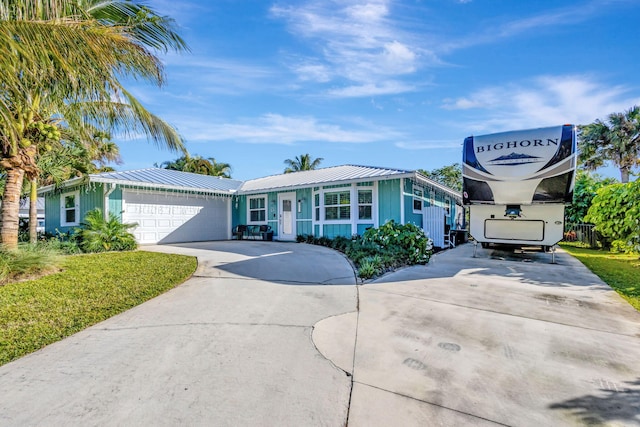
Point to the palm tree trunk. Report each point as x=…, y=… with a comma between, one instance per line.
x=33, y=212
x=624, y=175
x=11, y=208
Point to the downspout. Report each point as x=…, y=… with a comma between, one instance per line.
x=107, y=193
x=402, y=200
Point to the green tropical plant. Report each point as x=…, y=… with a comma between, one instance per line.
x=199, y=165
x=587, y=184
x=304, y=162
x=27, y=260
x=615, y=211
x=616, y=140
x=408, y=241
x=62, y=66
x=367, y=270
x=450, y=176
x=98, y=234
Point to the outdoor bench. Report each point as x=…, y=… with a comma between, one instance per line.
x=253, y=232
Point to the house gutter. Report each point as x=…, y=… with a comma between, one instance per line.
x=107, y=192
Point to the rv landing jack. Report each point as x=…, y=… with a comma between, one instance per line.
x=552, y=250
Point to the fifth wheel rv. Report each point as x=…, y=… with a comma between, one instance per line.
x=517, y=184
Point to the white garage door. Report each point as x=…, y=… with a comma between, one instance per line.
x=164, y=218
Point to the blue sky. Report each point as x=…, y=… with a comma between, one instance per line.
x=383, y=83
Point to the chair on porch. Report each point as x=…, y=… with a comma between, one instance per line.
x=239, y=231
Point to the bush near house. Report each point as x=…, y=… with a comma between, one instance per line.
x=98, y=234
x=615, y=211
x=380, y=249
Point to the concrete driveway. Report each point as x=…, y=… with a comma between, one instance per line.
x=503, y=338
x=231, y=346
x=277, y=334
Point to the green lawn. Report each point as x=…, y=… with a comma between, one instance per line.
x=620, y=271
x=91, y=288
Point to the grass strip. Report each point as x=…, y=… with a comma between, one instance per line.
x=620, y=271
x=90, y=289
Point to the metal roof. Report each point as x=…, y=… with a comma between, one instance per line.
x=330, y=175
x=157, y=178
x=169, y=179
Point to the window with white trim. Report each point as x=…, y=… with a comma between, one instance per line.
x=337, y=205
x=257, y=209
x=365, y=204
x=316, y=202
x=417, y=199
x=70, y=209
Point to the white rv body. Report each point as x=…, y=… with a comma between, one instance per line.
x=516, y=185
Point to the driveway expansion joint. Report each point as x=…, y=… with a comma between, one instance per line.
x=434, y=404
x=169, y=325
x=355, y=346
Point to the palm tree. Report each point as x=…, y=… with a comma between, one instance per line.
x=302, y=163
x=199, y=165
x=62, y=65
x=617, y=140
x=66, y=159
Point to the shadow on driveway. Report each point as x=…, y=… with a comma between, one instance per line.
x=278, y=262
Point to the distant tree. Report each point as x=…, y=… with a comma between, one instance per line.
x=616, y=140
x=304, y=162
x=587, y=185
x=451, y=176
x=199, y=165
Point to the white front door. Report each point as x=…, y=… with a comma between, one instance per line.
x=287, y=216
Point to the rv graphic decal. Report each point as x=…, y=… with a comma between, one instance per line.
x=517, y=144
x=520, y=167
x=515, y=159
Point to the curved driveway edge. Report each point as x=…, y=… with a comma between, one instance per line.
x=500, y=339
x=231, y=346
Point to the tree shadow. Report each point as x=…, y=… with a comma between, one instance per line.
x=613, y=403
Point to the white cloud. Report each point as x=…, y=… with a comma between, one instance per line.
x=371, y=89
x=222, y=76
x=287, y=130
x=542, y=101
x=358, y=44
x=555, y=18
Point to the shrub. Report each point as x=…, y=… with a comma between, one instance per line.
x=367, y=270
x=615, y=211
x=390, y=246
x=407, y=242
x=27, y=260
x=99, y=235
x=340, y=243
